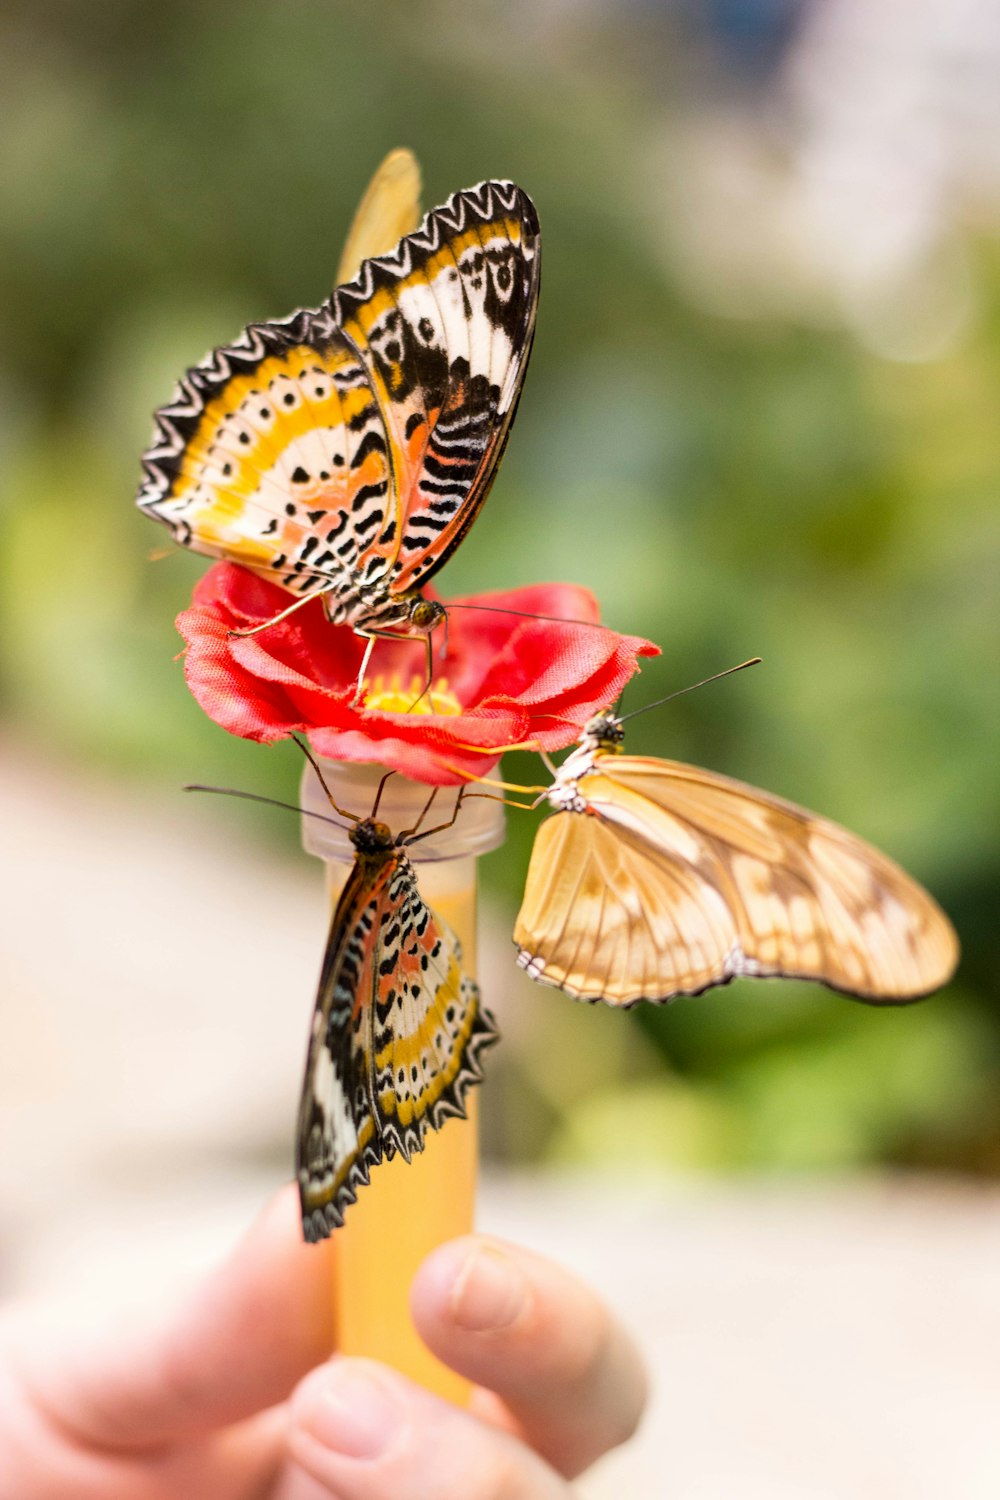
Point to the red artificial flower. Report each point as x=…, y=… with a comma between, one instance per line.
x=505, y=680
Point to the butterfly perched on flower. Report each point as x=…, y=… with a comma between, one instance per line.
x=657, y=879
x=397, y=1032
x=346, y=450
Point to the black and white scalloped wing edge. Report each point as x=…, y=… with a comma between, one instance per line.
x=321, y=1222
x=475, y=205
x=174, y=424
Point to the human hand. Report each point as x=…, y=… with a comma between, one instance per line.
x=229, y=1394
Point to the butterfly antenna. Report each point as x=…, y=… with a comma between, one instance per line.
x=525, y=614
x=378, y=794
x=753, y=662
x=310, y=757
x=229, y=791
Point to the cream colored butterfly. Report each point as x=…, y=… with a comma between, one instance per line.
x=657, y=879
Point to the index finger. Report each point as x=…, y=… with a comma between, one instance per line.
x=567, y=1372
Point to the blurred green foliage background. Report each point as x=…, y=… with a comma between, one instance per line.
x=738, y=451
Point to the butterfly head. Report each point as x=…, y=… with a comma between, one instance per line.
x=425, y=613
x=371, y=837
x=604, y=732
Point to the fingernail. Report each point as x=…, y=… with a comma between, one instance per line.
x=355, y=1415
x=489, y=1292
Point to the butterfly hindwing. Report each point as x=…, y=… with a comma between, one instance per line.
x=346, y=449
x=273, y=454
x=398, y=1030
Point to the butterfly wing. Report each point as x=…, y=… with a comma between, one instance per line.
x=396, y=1040
x=273, y=454
x=389, y=209
x=444, y=327
x=768, y=889
x=350, y=446
x=604, y=919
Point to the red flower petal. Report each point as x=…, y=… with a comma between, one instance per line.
x=516, y=679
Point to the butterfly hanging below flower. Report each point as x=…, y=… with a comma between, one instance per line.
x=345, y=451
x=657, y=879
x=397, y=1033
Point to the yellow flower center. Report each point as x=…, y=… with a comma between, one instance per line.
x=389, y=696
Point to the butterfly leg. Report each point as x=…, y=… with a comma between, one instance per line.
x=408, y=832
x=505, y=786
x=429, y=666
x=307, y=752
x=266, y=625
x=547, y=762
x=439, y=827
x=506, y=801
x=370, y=637
x=429, y=678
x=359, y=685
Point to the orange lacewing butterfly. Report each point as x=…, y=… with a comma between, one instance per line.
x=346, y=450
x=397, y=1033
x=398, y=1029
x=658, y=879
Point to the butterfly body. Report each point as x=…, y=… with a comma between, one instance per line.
x=396, y=1037
x=602, y=735
x=657, y=879
x=345, y=451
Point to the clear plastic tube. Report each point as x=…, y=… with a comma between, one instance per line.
x=407, y=1208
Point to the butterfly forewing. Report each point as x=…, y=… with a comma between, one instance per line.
x=444, y=327
x=396, y=1041
x=694, y=879
x=810, y=899
x=346, y=449
x=335, y=1138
